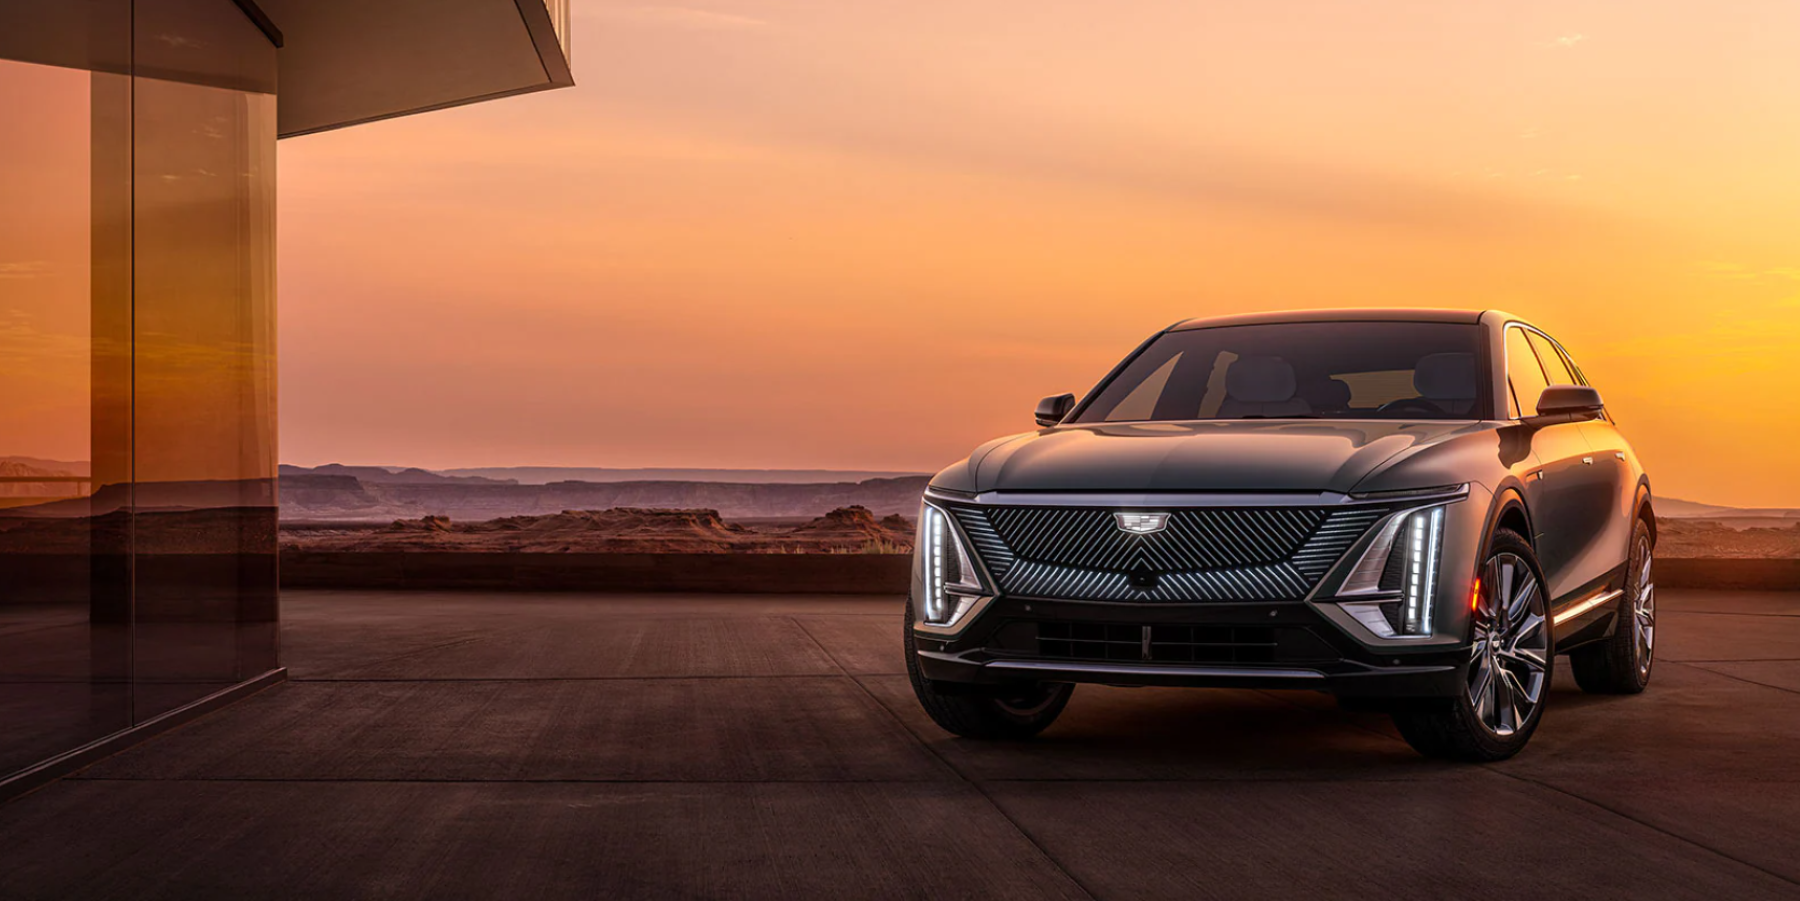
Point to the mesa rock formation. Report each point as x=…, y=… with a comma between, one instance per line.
x=620, y=530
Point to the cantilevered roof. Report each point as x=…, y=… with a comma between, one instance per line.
x=344, y=62
x=340, y=62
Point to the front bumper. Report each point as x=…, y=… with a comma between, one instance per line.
x=1262, y=644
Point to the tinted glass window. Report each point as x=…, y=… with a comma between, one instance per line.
x=1141, y=402
x=1554, y=367
x=1301, y=370
x=1522, y=369
x=1569, y=361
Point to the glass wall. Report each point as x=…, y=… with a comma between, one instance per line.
x=137, y=396
x=65, y=429
x=204, y=340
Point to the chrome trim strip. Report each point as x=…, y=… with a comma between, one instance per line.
x=1165, y=499
x=1367, y=614
x=1506, y=365
x=1365, y=574
x=1150, y=669
x=983, y=575
x=958, y=625
x=1580, y=607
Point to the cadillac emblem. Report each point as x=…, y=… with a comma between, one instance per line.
x=1141, y=523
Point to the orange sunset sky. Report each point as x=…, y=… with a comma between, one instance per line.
x=812, y=233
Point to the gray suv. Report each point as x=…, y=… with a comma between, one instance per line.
x=1414, y=510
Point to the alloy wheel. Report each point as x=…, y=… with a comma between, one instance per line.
x=1643, y=609
x=1510, y=655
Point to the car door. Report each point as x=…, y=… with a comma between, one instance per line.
x=1615, y=468
x=1553, y=489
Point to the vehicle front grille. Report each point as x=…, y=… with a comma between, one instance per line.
x=1089, y=538
x=1161, y=644
x=1203, y=553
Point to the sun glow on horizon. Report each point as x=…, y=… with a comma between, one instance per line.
x=872, y=235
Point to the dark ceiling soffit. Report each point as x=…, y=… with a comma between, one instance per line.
x=513, y=92
x=557, y=73
x=261, y=19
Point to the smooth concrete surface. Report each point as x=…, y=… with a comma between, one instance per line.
x=421, y=570
x=466, y=745
x=775, y=573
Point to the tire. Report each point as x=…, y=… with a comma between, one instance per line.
x=1511, y=660
x=984, y=712
x=1621, y=664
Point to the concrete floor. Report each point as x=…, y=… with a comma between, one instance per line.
x=529, y=746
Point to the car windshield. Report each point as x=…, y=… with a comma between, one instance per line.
x=1301, y=370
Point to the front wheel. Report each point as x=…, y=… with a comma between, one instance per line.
x=1510, y=660
x=1007, y=712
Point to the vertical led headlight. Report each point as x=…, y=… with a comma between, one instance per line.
x=951, y=581
x=1398, y=573
x=1424, y=536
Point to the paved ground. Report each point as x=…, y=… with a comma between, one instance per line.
x=449, y=746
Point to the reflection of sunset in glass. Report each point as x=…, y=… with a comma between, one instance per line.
x=45, y=322
x=871, y=235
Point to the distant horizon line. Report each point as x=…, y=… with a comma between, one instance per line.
x=528, y=466
x=457, y=470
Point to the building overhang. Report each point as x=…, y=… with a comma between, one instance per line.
x=345, y=62
x=340, y=62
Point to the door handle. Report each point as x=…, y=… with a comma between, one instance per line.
x=1588, y=461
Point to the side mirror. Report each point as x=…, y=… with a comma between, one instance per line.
x=1052, y=409
x=1573, y=402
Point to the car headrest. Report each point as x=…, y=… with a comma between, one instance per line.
x=1326, y=394
x=1260, y=380
x=1448, y=376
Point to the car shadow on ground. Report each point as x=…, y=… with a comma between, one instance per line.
x=1182, y=733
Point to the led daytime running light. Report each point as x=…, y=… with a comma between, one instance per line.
x=1424, y=533
x=951, y=582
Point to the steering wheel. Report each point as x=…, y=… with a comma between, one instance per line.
x=1410, y=405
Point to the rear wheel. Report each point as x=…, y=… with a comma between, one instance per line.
x=1510, y=660
x=1620, y=665
x=1014, y=711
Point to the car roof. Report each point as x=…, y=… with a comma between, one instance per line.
x=1469, y=317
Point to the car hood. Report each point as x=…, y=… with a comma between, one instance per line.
x=1223, y=455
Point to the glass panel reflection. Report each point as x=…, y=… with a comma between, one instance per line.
x=205, y=365
x=65, y=431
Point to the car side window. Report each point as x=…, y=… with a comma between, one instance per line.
x=1554, y=367
x=1578, y=375
x=1580, y=378
x=1524, y=373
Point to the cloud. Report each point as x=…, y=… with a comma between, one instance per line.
x=1743, y=273
x=1565, y=42
x=1733, y=271
x=26, y=269
x=682, y=17
x=25, y=348
x=1742, y=343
